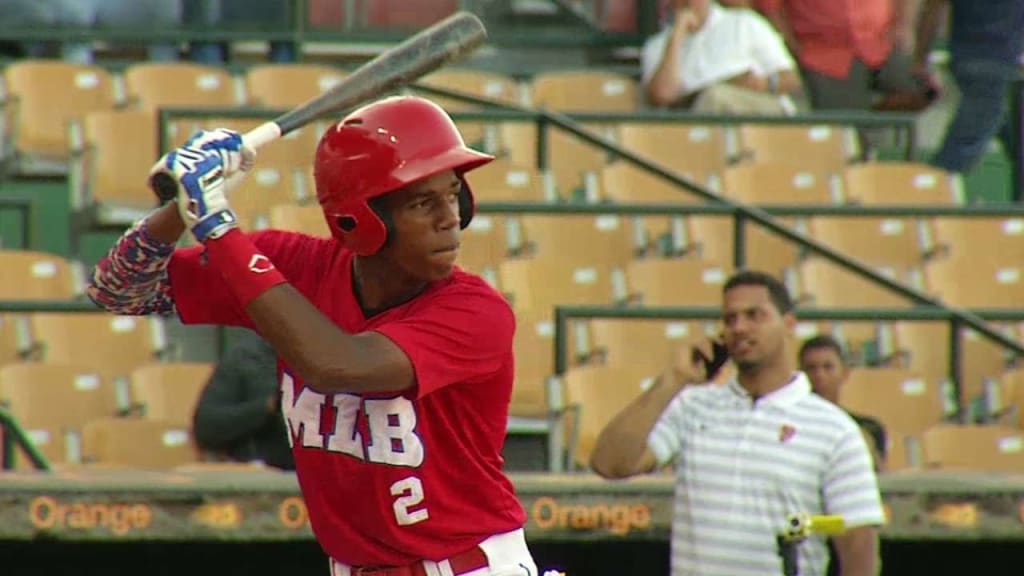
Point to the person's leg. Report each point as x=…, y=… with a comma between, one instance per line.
x=78, y=14
x=979, y=115
x=205, y=13
x=830, y=93
x=282, y=52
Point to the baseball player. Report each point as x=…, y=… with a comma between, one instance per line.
x=395, y=365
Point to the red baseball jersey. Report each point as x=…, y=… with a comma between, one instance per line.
x=389, y=478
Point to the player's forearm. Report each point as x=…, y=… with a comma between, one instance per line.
x=327, y=358
x=621, y=446
x=132, y=278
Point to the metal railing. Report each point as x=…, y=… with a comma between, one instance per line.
x=15, y=437
x=563, y=314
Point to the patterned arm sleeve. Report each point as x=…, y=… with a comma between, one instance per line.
x=132, y=278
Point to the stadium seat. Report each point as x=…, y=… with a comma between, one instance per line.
x=113, y=152
x=54, y=401
x=904, y=401
x=924, y=348
x=594, y=394
x=285, y=86
x=538, y=284
x=481, y=83
x=993, y=284
x=267, y=185
x=972, y=447
x=900, y=183
x=779, y=183
x=34, y=275
x=504, y=181
x=823, y=149
x=974, y=238
x=136, y=443
x=712, y=238
x=578, y=239
x=46, y=96
x=584, y=91
x=874, y=241
x=115, y=345
x=14, y=340
x=1011, y=398
x=307, y=219
x=533, y=346
x=169, y=391
x=686, y=148
x=154, y=85
x=484, y=245
x=615, y=342
x=676, y=282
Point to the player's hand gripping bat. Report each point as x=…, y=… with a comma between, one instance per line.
x=443, y=43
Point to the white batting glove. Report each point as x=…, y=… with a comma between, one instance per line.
x=201, y=168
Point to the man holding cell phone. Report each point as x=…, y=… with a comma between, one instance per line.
x=751, y=452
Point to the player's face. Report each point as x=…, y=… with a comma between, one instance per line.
x=752, y=328
x=825, y=370
x=425, y=216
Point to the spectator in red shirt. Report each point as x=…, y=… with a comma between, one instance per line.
x=850, y=51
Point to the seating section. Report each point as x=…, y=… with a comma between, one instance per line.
x=118, y=369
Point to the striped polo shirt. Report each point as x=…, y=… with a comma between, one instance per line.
x=742, y=467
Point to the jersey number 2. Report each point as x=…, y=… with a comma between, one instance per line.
x=410, y=494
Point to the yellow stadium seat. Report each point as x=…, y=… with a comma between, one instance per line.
x=136, y=443
x=52, y=402
x=285, y=86
x=971, y=447
x=169, y=391
x=34, y=275
x=894, y=183
x=47, y=96
x=115, y=345
x=826, y=149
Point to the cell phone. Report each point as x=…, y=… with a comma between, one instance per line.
x=720, y=355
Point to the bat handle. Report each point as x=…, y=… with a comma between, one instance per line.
x=165, y=186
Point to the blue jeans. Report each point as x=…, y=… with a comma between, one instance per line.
x=981, y=115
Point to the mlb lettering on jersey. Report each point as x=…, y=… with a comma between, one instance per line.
x=331, y=422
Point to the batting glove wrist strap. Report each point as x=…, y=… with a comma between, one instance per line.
x=214, y=225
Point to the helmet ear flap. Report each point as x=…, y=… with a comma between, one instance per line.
x=467, y=205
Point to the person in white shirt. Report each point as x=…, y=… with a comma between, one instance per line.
x=749, y=453
x=716, y=59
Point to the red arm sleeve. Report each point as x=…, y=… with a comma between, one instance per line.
x=462, y=335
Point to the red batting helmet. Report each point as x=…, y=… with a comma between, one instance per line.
x=380, y=148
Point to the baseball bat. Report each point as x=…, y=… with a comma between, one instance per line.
x=445, y=42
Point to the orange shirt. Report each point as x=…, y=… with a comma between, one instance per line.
x=831, y=33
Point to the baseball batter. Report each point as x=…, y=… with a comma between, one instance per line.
x=395, y=365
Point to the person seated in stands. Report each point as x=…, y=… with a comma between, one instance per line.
x=715, y=59
x=238, y=416
x=822, y=359
x=86, y=14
